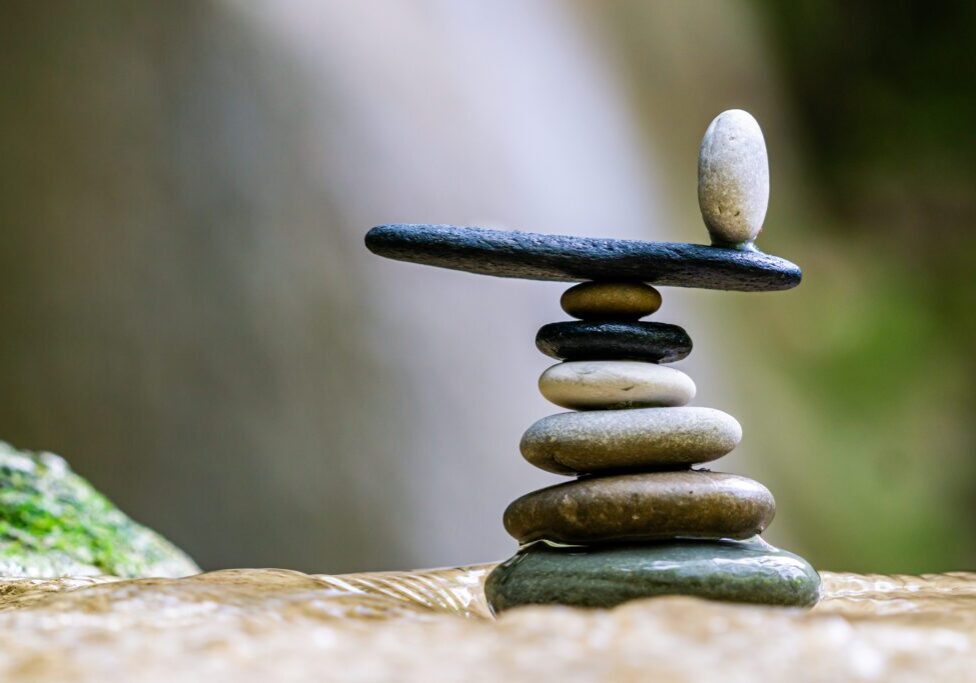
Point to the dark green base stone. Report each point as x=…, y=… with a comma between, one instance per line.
x=749, y=571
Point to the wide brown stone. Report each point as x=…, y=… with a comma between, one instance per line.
x=643, y=507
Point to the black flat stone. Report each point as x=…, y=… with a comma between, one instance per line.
x=749, y=571
x=582, y=340
x=534, y=256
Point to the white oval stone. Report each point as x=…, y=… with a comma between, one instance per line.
x=589, y=385
x=733, y=178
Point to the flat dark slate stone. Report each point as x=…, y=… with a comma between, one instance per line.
x=734, y=571
x=581, y=340
x=534, y=256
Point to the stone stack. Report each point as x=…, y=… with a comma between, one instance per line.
x=637, y=520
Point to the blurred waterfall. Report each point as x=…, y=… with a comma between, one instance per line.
x=191, y=317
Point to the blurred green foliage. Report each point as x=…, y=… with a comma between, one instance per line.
x=884, y=92
x=883, y=351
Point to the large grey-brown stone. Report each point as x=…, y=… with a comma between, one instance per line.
x=640, y=438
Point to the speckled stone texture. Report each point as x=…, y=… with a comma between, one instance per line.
x=643, y=507
x=640, y=438
x=580, y=340
x=534, y=256
x=736, y=571
x=733, y=178
x=615, y=384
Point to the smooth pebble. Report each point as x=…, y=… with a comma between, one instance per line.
x=584, y=340
x=572, y=443
x=642, y=507
x=749, y=571
x=610, y=300
x=607, y=384
x=733, y=178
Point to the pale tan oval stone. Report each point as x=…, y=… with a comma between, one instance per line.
x=733, y=178
x=597, y=440
x=610, y=300
x=603, y=384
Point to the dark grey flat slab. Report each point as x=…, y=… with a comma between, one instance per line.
x=534, y=256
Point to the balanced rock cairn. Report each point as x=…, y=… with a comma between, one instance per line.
x=637, y=520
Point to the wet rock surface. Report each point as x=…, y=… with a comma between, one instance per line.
x=246, y=626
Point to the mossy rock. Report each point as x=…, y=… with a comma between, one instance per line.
x=53, y=523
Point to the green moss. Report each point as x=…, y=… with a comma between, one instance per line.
x=53, y=523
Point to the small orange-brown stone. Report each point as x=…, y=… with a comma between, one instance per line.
x=610, y=300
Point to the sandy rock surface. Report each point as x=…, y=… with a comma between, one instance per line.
x=260, y=625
